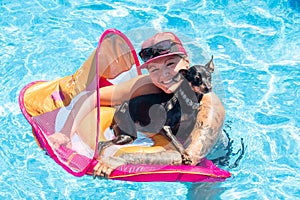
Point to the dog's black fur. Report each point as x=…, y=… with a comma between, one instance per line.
x=199, y=77
x=169, y=110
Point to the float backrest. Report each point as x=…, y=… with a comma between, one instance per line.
x=51, y=106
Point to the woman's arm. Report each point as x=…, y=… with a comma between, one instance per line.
x=109, y=96
x=210, y=119
x=117, y=94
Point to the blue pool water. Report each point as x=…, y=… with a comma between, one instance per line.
x=256, y=47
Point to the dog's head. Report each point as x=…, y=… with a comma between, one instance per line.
x=199, y=77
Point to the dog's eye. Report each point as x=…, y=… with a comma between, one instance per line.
x=197, y=81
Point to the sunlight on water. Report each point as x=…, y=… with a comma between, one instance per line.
x=256, y=49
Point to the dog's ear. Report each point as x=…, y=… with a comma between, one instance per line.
x=183, y=72
x=210, y=65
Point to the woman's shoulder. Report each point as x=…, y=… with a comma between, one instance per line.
x=144, y=78
x=211, y=97
x=142, y=85
x=211, y=102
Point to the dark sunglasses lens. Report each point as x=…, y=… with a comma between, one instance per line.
x=156, y=50
x=146, y=54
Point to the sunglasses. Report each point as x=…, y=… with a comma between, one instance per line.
x=161, y=48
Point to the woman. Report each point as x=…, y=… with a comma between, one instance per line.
x=164, y=56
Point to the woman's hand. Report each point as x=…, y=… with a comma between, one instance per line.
x=106, y=165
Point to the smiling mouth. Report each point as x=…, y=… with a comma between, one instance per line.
x=167, y=82
x=175, y=79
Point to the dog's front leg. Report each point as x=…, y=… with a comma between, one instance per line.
x=179, y=147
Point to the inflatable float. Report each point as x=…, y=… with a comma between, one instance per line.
x=49, y=106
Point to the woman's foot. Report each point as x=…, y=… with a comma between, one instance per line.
x=58, y=139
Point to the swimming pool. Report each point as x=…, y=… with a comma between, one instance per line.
x=256, y=48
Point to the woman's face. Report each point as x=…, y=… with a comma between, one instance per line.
x=163, y=72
